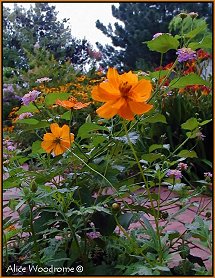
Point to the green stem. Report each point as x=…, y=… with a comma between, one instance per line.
x=36, y=247
x=147, y=188
x=178, y=148
x=6, y=250
x=164, y=80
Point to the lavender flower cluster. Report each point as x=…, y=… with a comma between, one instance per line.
x=9, y=93
x=29, y=97
x=185, y=54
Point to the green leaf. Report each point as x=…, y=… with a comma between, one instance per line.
x=190, y=79
x=125, y=220
x=190, y=124
x=158, y=74
x=66, y=115
x=187, y=153
x=158, y=146
x=150, y=157
x=51, y=98
x=157, y=118
x=36, y=147
x=27, y=108
x=163, y=43
x=205, y=44
x=11, y=182
x=28, y=121
x=86, y=130
x=39, y=125
x=201, y=27
x=205, y=122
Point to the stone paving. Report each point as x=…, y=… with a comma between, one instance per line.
x=197, y=205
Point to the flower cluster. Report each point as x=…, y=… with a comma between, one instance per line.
x=43, y=79
x=9, y=93
x=208, y=175
x=174, y=174
x=29, y=97
x=185, y=54
x=182, y=166
x=25, y=115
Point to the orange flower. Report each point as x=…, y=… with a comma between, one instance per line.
x=59, y=140
x=68, y=104
x=124, y=95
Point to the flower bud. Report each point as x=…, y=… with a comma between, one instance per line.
x=116, y=207
x=182, y=15
x=193, y=15
x=33, y=186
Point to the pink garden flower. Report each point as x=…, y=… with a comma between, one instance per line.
x=29, y=97
x=182, y=166
x=43, y=79
x=25, y=115
x=174, y=174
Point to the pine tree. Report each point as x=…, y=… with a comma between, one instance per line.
x=139, y=22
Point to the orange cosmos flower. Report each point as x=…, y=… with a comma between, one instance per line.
x=68, y=104
x=59, y=140
x=124, y=95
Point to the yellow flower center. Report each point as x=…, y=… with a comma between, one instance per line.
x=124, y=88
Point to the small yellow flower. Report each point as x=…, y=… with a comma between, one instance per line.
x=59, y=140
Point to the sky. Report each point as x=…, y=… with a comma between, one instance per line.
x=82, y=18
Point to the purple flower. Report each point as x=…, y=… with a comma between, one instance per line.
x=174, y=174
x=93, y=235
x=182, y=166
x=29, y=97
x=200, y=136
x=208, y=175
x=185, y=54
x=25, y=115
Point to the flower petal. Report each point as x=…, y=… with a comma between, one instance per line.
x=107, y=111
x=49, y=137
x=65, y=132
x=141, y=91
x=59, y=149
x=125, y=112
x=56, y=130
x=113, y=77
x=139, y=107
x=105, y=92
x=118, y=103
x=129, y=77
x=47, y=146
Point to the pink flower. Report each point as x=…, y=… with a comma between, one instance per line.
x=208, y=175
x=25, y=115
x=174, y=174
x=93, y=235
x=182, y=166
x=43, y=79
x=29, y=97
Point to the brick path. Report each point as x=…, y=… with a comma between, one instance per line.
x=199, y=205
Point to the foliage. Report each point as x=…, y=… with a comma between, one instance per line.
x=25, y=31
x=136, y=23
x=90, y=202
